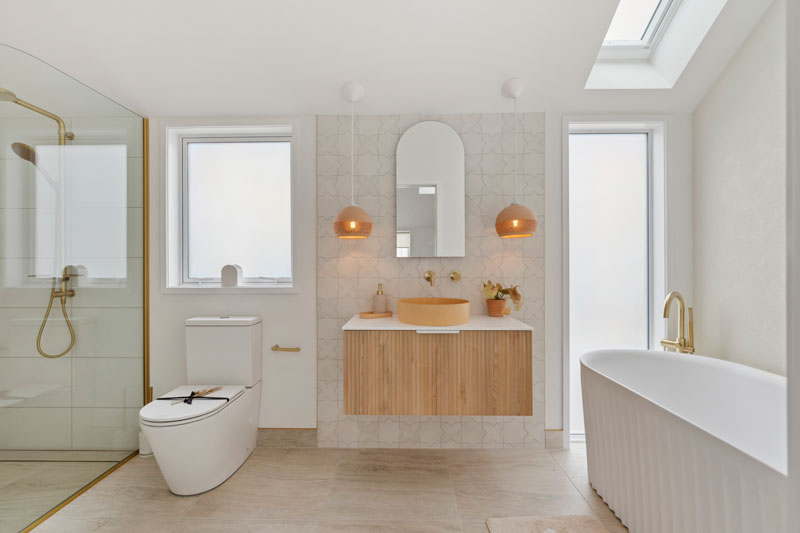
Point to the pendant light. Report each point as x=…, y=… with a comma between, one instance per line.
x=352, y=222
x=516, y=220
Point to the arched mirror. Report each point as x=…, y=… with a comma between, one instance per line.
x=430, y=192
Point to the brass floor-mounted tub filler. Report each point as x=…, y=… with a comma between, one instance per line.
x=681, y=344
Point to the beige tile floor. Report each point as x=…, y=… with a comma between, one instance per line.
x=28, y=489
x=299, y=489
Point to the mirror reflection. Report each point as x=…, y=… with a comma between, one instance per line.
x=430, y=192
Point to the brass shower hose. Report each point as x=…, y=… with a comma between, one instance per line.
x=44, y=323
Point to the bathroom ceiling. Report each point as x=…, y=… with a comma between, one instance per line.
x=248, y=57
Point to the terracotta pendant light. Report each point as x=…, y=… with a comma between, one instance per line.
x=516, y=220
x=352, y=222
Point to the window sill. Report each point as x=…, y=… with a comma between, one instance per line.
x=215, y=288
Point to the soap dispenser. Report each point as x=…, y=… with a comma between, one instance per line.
x=379, y=300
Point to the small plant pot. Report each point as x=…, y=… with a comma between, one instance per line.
x=496, y=307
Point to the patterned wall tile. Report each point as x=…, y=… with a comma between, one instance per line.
x=471, y=432
x=409, y=432
x=492, y=432
x=349, y=271
x=451, y=432
x=513, y=432
x=430, y=432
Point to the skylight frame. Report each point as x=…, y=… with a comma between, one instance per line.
x=641, y=49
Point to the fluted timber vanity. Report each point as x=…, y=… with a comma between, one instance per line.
x=479, y=368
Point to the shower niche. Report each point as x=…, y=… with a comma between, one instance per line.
x=72, y=329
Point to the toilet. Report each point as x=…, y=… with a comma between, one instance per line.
x=198, y=446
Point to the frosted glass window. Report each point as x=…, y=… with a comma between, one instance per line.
x=608, y=249
x=81, y=210
x=403, y=243
x=238, y=209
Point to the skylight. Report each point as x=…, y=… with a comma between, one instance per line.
x=631, y=20
x=636, y=27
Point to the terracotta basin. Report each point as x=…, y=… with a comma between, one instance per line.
x=433, y=311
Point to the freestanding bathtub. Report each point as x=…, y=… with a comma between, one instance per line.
x=684, y=443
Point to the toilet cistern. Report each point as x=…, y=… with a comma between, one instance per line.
x=681, y=344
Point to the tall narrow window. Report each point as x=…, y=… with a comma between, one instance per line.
x=609, y=249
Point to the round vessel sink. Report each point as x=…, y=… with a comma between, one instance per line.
x=433, y=311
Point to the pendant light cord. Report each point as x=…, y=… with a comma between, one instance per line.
x=516, y=195
x=352, y=152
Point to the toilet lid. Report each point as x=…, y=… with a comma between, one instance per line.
x=175, y=410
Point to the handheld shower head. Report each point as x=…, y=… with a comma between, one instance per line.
x=25, y=151
x=7, y=96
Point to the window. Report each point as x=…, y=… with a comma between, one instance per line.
x=616, y=251
x=89, y=230
x=403, y=243
x=231, y=199
x=636, y=28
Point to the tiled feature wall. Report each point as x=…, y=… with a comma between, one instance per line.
x=349, y=270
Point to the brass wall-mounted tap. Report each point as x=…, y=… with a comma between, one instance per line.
x=430, y=277
x=64, y=291
x=681, y=344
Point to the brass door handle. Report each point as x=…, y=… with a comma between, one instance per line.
x=277, y=348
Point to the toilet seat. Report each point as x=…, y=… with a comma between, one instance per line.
x=167, y=411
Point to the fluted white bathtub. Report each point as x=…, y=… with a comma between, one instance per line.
x=685, y=443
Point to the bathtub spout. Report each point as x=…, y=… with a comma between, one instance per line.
x=680, y=344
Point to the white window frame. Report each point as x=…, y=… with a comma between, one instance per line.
x=641, y=49
x=174, y=209
x=186, y=140
x=656, y=128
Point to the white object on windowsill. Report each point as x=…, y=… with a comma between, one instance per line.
x=231, y=276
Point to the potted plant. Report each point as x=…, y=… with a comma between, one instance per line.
x=496, y=298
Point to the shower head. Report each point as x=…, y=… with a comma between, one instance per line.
x=25, y=151
x=28, y=153
x=7, y=96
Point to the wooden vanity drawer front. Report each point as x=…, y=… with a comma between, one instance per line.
x=472, y=373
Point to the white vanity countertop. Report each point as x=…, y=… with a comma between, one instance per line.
x=476, y=323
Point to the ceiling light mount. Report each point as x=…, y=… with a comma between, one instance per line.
x=512, y=88
x=353, y=91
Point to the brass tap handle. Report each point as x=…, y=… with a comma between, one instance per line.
x=430, y=277
x=690, y=342
x=455, y=275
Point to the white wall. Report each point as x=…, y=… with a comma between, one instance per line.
x=740, y=205
x=289, y=319
x=793, y=241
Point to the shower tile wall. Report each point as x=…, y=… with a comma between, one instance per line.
x=349, y=271
x=88, y=399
